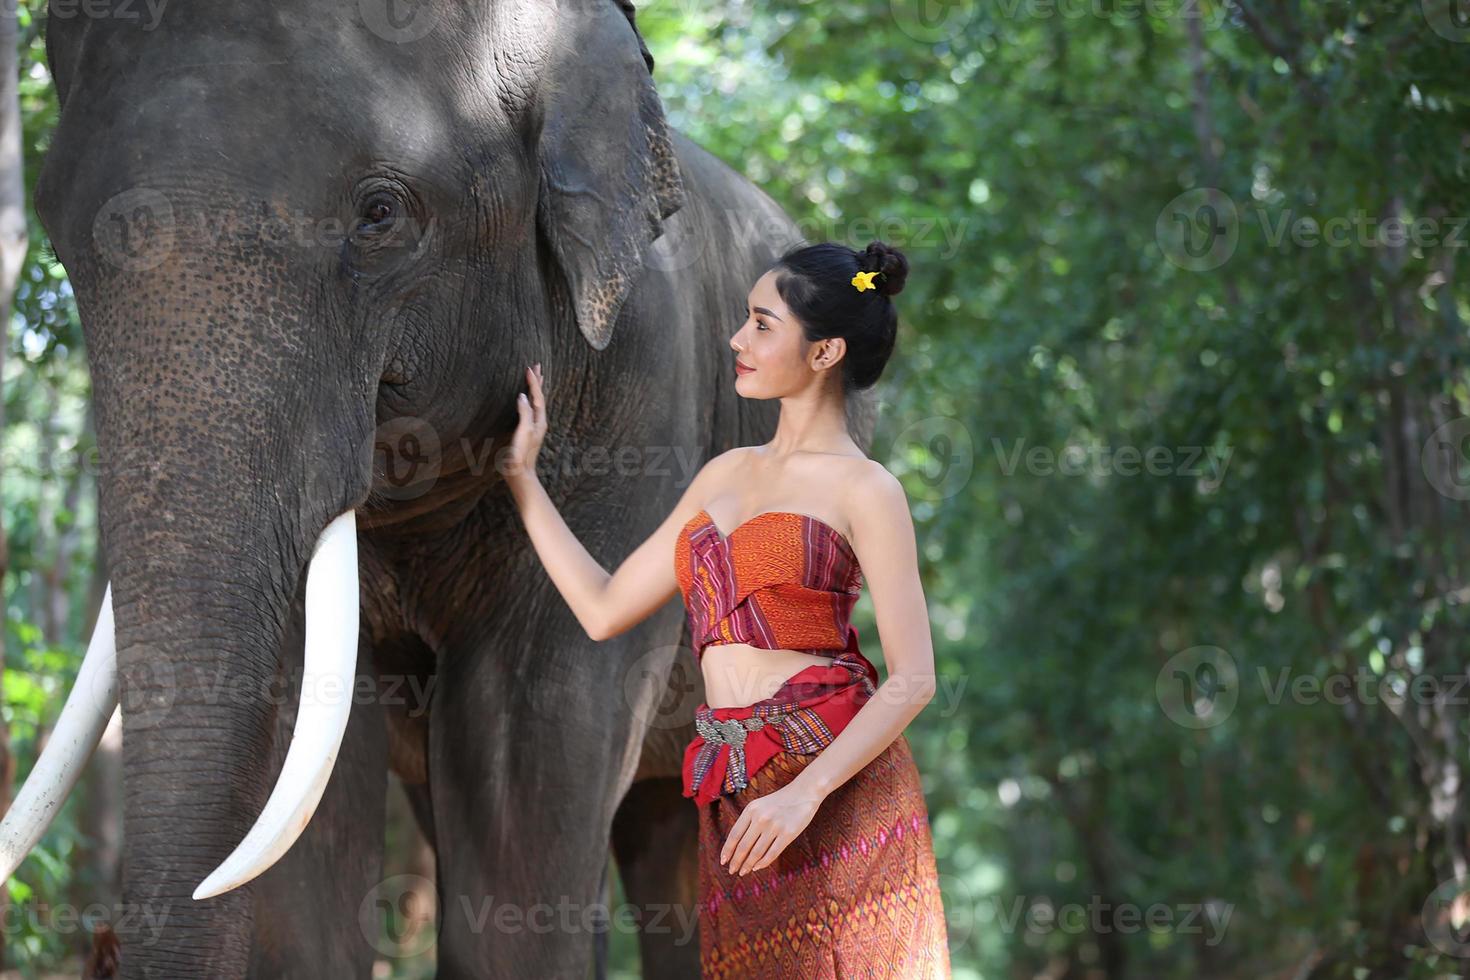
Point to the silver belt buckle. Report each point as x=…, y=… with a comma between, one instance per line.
x=728, y=731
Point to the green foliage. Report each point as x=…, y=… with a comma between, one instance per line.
x=1066, y=321
x=45, y=392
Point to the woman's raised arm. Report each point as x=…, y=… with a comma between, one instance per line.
x=606, y=605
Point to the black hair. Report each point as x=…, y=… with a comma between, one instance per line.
x=816, y=283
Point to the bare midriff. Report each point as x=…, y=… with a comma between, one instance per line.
x=738, y=674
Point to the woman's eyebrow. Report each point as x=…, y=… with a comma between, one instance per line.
x=762, y=309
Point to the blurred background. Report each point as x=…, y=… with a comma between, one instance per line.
x=1181, y=404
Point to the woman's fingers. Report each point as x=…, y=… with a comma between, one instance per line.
x=530, y=422
x=732, y=840
x=742, y=856
x=738, y=840
x=538, y=398
x=536, y=401
x=757, y=851
x=762, y=858
x=748, y=837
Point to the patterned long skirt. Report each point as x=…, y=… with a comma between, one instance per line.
x=856, y=894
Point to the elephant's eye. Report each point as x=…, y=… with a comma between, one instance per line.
x=385, y=227
x=377, y=215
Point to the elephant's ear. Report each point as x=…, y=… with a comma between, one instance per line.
x=609, y=176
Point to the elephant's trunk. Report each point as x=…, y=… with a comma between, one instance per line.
x=332, y=604
x=229, y=465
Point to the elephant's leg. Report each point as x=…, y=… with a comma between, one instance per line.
x=656, y=840
x=656, y=833
x=311, y=906
x=529, y=748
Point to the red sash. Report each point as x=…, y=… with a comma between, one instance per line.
x=805, y=715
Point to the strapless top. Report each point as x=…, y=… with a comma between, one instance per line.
x=779, y=581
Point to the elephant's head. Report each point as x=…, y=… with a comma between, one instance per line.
x=285, y=226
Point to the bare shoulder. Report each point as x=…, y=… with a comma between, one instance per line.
x=876, y=503
x=869, y=477
x=733, y=456
x=716, y=472
x=718, y=467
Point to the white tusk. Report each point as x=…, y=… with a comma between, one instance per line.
x=332, y=599
x=89, y=705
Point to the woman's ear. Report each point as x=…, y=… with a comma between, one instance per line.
x=609, y=176
x=830, y=351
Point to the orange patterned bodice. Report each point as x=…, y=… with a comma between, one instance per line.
x=780, y=581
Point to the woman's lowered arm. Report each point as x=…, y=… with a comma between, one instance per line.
x=883, y=539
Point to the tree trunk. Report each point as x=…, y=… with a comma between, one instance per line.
x=14, y=241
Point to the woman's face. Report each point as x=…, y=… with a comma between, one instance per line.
x=770, y=344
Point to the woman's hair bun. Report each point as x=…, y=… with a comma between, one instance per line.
x=817, y=284
x=878, y=257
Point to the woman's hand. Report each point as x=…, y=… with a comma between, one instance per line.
x=766, y=826
x=520, y=463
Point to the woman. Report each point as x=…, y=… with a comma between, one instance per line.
x=816, y=859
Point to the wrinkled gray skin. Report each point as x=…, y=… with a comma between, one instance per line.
x=505, y=176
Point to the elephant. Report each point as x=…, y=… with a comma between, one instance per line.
x=313, y=249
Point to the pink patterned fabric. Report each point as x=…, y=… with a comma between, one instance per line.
x=781, y=581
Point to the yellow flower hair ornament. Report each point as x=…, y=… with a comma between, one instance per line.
x=862, y=283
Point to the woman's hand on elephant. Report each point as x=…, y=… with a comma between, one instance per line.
x=765, y=827
x=530, y=430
